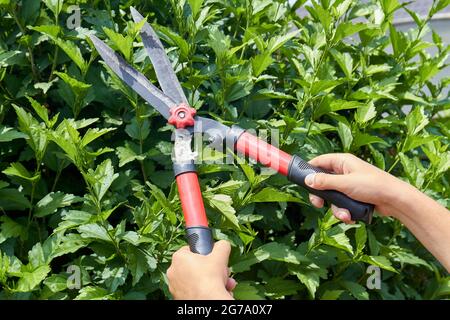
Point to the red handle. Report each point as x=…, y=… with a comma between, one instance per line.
x=264, y=153
x=296, y=170
x=191, y=200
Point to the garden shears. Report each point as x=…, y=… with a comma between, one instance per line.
x=171, y=102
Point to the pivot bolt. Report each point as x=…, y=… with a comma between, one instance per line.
x=182, y=116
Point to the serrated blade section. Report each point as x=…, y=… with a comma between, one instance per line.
x=163, y=68
x=136, y=80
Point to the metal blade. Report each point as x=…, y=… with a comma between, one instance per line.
x=163, y=68
x=136, y=80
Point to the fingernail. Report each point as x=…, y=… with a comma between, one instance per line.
x=309, y=180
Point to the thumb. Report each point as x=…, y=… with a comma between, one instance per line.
x=221, y=251
x=324, y=181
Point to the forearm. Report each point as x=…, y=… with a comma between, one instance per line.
x=426, y=219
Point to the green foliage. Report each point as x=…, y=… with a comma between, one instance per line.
x=87, y=182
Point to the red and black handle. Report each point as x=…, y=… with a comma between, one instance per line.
x=296, y=171
x=198, y=233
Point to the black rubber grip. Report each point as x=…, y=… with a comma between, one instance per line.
x=359, y=211
x=200, y=240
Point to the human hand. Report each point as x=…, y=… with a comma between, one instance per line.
x=193, y=276
x=358, y=180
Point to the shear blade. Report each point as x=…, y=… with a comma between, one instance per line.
x=163, y=68
x=136, y=80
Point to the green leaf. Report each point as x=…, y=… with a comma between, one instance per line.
x=345, y=133
x=73, y=52
x=361, y=238
x=177, y=41
x=56, y=283
x=440, y=5
x=274, y=195
x=128, y=153
x=223, y=204
x=123, y=43
x=52, y=201
x=140, y=262
x=94, y=231
x=279, y=287
x=261, y=62
x=379, y=261
x=54, y=5
x=246, y=290
x=319, y=13
x=40, y=110
x=195, y=5
x=324, y=86
x=102, y=178
x=18, y=170
x=69, y=243
x=398, y=41
x=138, y=130
x=377, y=69
x=336, y=237
x=356, y=290
x=270, y=94
x=405, y=257
x=277, y=42
x=311, y=279
x=345, y=61
x=346, y=29
x=52, y=31
x=411, y=97
x=163, y=202
x=114, y=277
x=11, y=229
x=363, y=139
x=9, y=134
x=93, y=134
x=335, y=105
x=93, y=293
x=270, y=251
x=416, y=120
x=412, y=142
x=13, y=199
x=79, y=88
x=331, y=294
x=30, y=279
x=365, y=113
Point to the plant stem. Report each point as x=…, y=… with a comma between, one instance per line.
x=397, y=159
x=33, y=190
x=55, y=58
x=55, y=55
x=58, y=174
x=30, y=51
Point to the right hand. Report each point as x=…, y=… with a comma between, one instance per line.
x=193, y=276
x=358, y=180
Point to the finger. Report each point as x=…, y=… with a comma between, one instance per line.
x=323, y=181
x=332, y=162
x=316, y=201
x=342, y=214
x=231, y=284
x=341, y=163
x=184, y=248
x=221, y=251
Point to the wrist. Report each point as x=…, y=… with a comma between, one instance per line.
x=213, y=291
x=399, y=198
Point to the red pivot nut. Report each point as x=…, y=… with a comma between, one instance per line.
x=182, y=116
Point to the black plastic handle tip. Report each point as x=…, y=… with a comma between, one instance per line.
x=200, y=240
x=359, y=211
